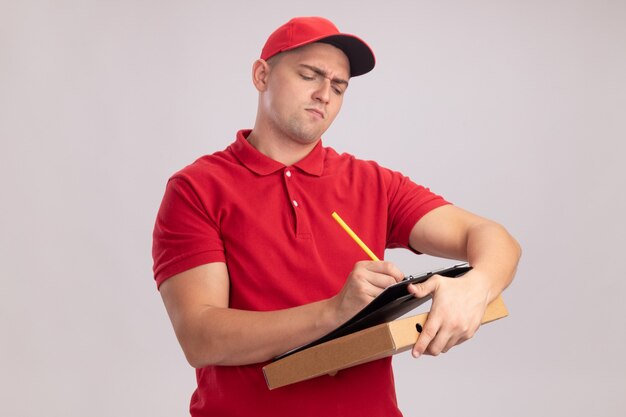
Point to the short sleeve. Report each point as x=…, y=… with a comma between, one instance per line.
x=185, y=233
x=408, y=203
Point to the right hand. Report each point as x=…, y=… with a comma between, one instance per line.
x=364, y=283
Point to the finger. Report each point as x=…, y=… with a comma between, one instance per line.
x=423, y=289
x=372, y=291
x=382, y=281
x=380, y=273
x=441, y=343
x=459, y=333
x=367, y=277
x=462, y=336
x=375, y=284
x=387, y=268
x=428, y=333
x=434, y=349
x=452, y=342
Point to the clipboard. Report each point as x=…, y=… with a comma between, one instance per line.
x=390, y=304
x=357, y=348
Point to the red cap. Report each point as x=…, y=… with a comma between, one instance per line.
x=301, y=31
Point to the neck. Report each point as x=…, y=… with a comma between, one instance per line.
x=284, y=150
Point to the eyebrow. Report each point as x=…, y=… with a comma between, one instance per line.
x=324, y=74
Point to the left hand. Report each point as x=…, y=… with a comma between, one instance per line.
x=457, y=310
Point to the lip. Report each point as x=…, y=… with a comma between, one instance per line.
x=317, y=112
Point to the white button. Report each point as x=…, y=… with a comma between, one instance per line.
x=295, y=203
x=288, y=174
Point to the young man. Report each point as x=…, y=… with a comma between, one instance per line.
x=250, y=263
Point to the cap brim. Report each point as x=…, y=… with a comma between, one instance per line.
x=359, y=54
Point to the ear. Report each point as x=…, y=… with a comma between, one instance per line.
x=260, y=73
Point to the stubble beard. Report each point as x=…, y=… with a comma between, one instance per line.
x=299, y=132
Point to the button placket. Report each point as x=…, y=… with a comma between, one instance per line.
x=289, y=176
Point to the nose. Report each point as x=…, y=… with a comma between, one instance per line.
x=322, y=92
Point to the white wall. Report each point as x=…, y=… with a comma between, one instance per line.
x=512, y=109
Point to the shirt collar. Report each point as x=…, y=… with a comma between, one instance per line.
x=261, y=164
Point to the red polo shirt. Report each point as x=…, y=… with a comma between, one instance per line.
x=272, y=226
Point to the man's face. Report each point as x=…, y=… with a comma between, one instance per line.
x=305, y=91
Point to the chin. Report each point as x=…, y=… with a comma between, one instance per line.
x=306, y=138
x=304, y=133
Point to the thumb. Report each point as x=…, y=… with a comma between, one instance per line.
x=423, y=289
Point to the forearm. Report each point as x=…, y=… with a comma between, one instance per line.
x=225, y=336
x=211, y=333
x=452, y=232
x=493, y=254
x=459, y=304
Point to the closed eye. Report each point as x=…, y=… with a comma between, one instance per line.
x=320, y=78
x=311, y=73
x=338, y=91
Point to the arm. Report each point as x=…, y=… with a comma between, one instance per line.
x=459, y=303
x=211, y=333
